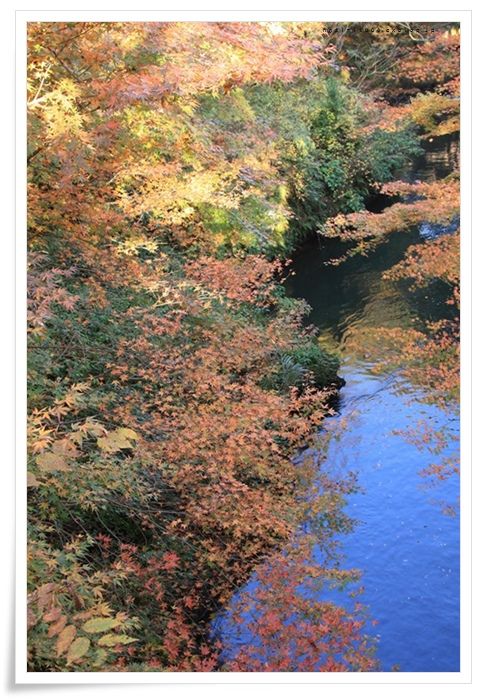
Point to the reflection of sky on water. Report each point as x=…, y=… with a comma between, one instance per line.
x=406, y=547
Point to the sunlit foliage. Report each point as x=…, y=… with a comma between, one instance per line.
x=171, y=166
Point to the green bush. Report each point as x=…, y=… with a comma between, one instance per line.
x=305, y=366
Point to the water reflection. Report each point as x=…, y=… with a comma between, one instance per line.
x=405, y=546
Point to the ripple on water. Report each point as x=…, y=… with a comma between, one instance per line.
x=406, y=547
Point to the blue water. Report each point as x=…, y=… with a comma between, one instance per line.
x=405, y=544
x=406, y=541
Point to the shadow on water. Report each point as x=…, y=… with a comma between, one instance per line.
x=405, y=545
x=355, y=293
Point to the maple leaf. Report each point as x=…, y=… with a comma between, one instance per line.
x=170, y=561
x=50, y=462
x=116, y=440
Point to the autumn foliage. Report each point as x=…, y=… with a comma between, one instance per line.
x=162, y=421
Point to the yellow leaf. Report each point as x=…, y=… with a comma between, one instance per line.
x=128, y=432
x=93, y=427
x=78, y=649
x=111, y=640
x=100, y=624
x=117, y=440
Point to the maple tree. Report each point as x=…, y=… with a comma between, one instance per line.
x=171, y=169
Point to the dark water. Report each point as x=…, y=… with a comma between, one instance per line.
x=407, y=539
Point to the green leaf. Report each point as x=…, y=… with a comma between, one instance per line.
x=78, y=649
x=100, y=657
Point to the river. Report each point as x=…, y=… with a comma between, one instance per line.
x=406, y=542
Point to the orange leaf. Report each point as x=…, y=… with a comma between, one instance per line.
x=65, y=639
x=57, y=626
